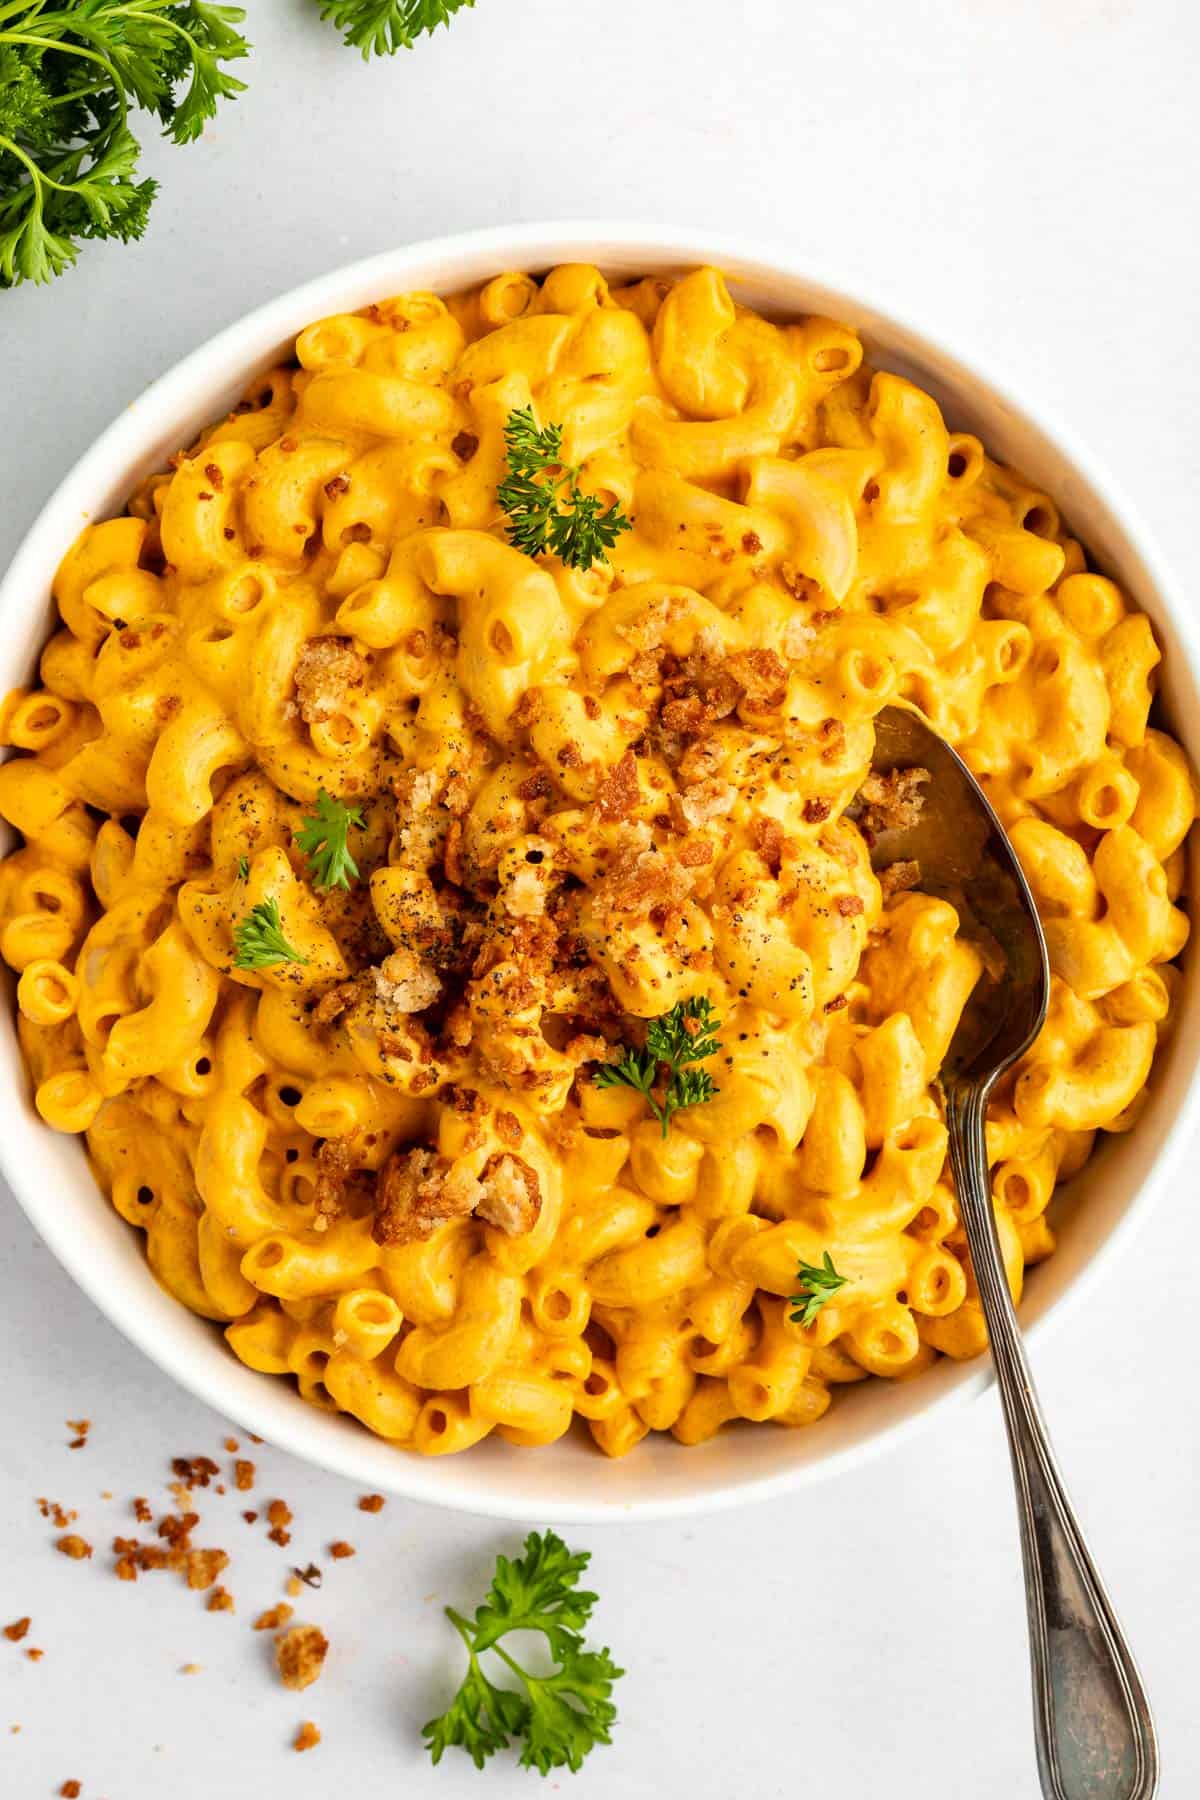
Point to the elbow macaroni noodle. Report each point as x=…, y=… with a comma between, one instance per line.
x=586, y=795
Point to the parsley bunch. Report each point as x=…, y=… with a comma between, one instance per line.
x=572, y=525
x=69, y=76
x=322, y=839
x=818, y=1283
x=560, y=1716
x=381, y=27
x=679, y=1038
x=258, y=940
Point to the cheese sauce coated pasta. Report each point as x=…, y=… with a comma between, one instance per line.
x=579, y=797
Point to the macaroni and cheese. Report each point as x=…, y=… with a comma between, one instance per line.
x=573, y=800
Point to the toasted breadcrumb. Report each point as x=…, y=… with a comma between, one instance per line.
x=274, y=1617
x=340, y=1549
x=71, y=1790
x=294, y=1586
x=279, y=1513
x=892, y=802
x=74, y=1546
x=243, y=1475
x=618, y=793
x=300, y=1655
x=898, y=878
x=328, y=672
x=511, y=1195
x=403, y=984
x=231, y=1444
x=307, y=1738
x=17, y=1630
x=194, y=1471
x=220, y=1600
x=372, y=1503
x=203, y=1567
x=50, y=1509
x=35, y=1655
x=416, y=1193
x=191, y=1669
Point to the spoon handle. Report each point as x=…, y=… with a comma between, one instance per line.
x=1092, y=1722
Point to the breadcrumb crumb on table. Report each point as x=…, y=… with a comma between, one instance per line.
x=274, y=1617
x=71, y=1790
x=35, y=1655
x=243, y=1475
x=17, y=1630
x=307, y=1738
x=341, y=1549
x=372, y=1503
x=300, y=1655
x=74, y=1546
x=220, y=1600
x=203, y=1567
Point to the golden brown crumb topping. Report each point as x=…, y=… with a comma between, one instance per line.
x=300, y=1655
x=328, y=672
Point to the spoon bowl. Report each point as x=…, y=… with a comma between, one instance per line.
x=964, y=856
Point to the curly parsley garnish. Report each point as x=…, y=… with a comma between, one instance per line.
x=258, y=939
x=541, y=516
x=322, y=838
x=818, y=1283
x=679, y=1038
x=69, y=76
x=560, y=1716
x=380, y=27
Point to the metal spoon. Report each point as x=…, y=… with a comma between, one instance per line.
x=1092, y=1722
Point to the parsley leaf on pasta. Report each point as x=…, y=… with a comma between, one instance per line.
x=561, y=1716
x=258, y=939
x=570, y=524
x=381, y=27
x=69, y=77
x=322, y=838
x=680, y=1038
x=819, y=1282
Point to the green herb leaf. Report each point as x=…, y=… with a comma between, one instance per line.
x=541, y=516
x=561, y=1716
x=243, y=868
x=818, y=1283
x=381, y=27
x=322, y=838
x=258, y=939
x=69, y=77
x=682, y=1037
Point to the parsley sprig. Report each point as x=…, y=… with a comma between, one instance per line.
x=819, y=1282
x=322, y=838
x=561, y=1716
x=69, y=76
x=680, y=1038
x=381, y=27
x=541, y=495
x=258, y=939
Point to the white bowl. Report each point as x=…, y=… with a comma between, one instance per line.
x=568, y=1482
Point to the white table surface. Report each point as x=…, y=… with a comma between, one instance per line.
x=1017, y=173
